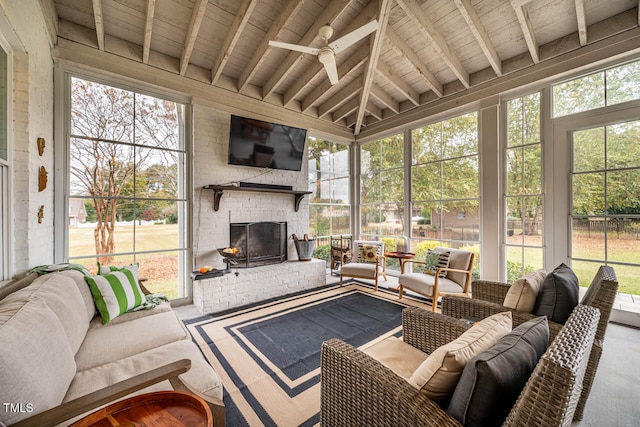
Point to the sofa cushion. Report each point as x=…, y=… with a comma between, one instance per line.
x=163, y=307
x=522, y=294
x=16, y=285
x=397, y=355
x=438, y=375
x=117, y=292
x=36, y=362
x=200, y=378
x=558, y=295
x=62, y=296
x=87, y=299
x=113, y=342
x=492, y=381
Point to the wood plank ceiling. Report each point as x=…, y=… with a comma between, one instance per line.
x=422, y=51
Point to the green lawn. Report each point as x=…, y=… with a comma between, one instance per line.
x=161, y=269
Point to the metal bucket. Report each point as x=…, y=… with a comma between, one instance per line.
x=305, y=249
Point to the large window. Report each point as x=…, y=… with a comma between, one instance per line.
x=126, y=201
x=523, y=158
x=329, y=203
x=609, y=87
x=605, y=212
x=382, y=192
x=445, y=186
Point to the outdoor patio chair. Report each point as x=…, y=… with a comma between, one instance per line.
x=367, y=261
x=356, y=389
x=455, y=278
x=488, y=297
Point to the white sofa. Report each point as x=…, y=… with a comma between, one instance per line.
x=54, y=349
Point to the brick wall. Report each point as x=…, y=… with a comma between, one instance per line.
x=32, y=111
x=210, y=228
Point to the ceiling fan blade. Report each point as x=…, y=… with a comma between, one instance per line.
x=354, y=36
x=296, y=47
x=332, y=71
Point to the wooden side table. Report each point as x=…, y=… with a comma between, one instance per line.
x=158, y=409
x=401, y=257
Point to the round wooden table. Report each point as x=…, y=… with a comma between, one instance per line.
x=158, y=409
x=401, y=257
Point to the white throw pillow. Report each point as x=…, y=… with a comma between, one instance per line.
x=443, y=260
x=522, y=294
x=438, y=376
x=116, y=293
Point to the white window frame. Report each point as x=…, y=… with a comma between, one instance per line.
x=6, y=172
x=62, y=80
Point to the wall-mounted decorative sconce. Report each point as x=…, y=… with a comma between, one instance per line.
x=41, y=145
x=42, y=179
x=40, y=214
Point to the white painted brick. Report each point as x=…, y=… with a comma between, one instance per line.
x=257, y=284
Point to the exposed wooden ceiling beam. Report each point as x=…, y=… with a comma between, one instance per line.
x=339, y=98
x=327, y=17
x=233, y=35
x=251, y=68
x=582, y=22
x=363, y=17
x=374, y=110
x=346, y=109
x=375, y=43
x=97, y=16
x=401, y=47
x=199, y=8
x=385, y=71
x=347, y=67
x=480, y=33
x=429, y=30
x=527, y=28
x=385, y=98
x=148, y=29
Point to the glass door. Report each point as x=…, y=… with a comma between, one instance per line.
x=605, y=202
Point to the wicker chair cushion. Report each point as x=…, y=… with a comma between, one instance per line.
x=491, y=383
x=437, y=376
x=397, y=355
x=523, y=292
x=558, y=295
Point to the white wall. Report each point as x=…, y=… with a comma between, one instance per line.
x=210, y=228
x=32, y=114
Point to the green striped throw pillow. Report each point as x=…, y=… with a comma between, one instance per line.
x=116, y=293
x=106, y=269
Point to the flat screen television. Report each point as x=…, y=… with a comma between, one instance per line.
x=265, y=145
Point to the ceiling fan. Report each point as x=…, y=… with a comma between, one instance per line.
x=327, y=53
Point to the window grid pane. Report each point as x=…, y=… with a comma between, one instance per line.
x=329, y=202
x=605, y=198
x=523, y=173
x=127, y=165
x=445, y=186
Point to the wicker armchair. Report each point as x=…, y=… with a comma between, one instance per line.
x=487, y=299
x=356, y=389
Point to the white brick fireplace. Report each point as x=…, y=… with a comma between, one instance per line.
x=211, y=228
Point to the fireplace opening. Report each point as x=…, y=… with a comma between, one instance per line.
x=259, y=243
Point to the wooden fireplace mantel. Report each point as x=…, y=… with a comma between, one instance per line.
x=218, y=190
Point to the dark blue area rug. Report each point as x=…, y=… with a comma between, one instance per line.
x=268, y=355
